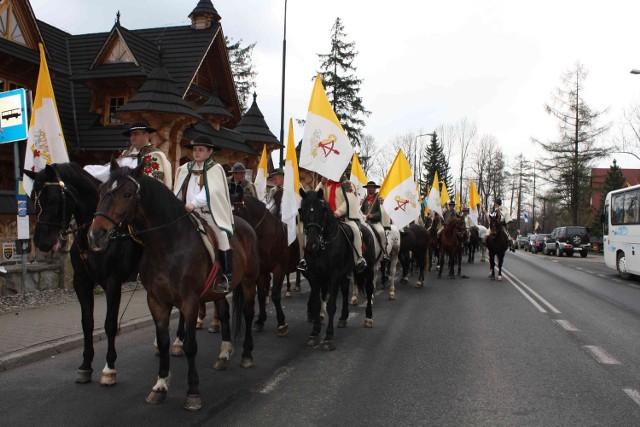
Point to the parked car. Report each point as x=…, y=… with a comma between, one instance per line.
x=530, y=238
x=521, y=242
x=568, y=240
x=537, y=244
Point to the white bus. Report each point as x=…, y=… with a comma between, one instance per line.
x=621, y=233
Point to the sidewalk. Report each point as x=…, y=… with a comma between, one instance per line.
x=37, y=333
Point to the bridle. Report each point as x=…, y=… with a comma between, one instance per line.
x=63, y=224
x=323, y=242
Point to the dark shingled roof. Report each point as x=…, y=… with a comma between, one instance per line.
x=254, y=127
x=159, y=94
x=214, y=107
x=224, y=138
x=205, y=6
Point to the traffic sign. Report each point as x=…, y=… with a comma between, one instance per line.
x=13, y=116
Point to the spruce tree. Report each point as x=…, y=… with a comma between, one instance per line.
x=435, y=161
x=242, y=69
x=342, y=85
x=614, y=180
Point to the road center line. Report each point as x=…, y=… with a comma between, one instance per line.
x=531, y=300
x=280, y=376
x=601, y=355
x=534, y=293
x=566, y=325
x=633, y=394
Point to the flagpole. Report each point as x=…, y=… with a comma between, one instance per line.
x=284, y=62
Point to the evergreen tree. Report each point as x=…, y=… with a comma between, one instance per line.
x=341, y=84
x=571, y=156
x=242, y=68
x=614, y=180
x=435, y=161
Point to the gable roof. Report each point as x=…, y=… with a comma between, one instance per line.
x=255, y=128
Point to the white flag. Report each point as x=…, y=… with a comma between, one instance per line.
x=290, y=188
x=325, y=147
x=433, y=201
x=399, y=192
x=45, y=143
x=261, y=176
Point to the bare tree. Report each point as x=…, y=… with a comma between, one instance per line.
x=488, y=168
x=628, y=139
x=466, y=134
x=368, y=153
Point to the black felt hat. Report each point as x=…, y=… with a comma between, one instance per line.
x=372, y=184
x=202, y=141
x=138, y=126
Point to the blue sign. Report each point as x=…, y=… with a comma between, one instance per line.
x=13, y=116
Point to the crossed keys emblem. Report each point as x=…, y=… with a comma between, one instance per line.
x=402, y=203
x=327, y=145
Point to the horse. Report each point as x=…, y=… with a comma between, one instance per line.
x=176, y=271
x=433, y=247
x=61, y=192
x=473, y=243
x=377, y=260
x=451, y=244
x=330, y=263
x=482, y=234
x=414, y=241
x=274, y=253
x=498, y=244
x=393, y=250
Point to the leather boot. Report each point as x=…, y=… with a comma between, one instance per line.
x=226, y=263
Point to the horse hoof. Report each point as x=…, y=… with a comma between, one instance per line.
x=83, y=376
x=328, y=345
x=108, y=378
x=354, y=301
x=342, y=323
x=392, y=296
x=199, y=323
x=499, y=278
x=258, y=327
x=177, y=350
x=246, y=362
x=288, y=294
x=192, y=402
x=418, y=285
x=214, y=328
x=313, y=341
x=404, y=280
x=156, y=397
x=221, y=364
x=368, y=323
x=283, y=330
x=297, y=289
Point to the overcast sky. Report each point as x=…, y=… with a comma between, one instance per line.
x=423, y=63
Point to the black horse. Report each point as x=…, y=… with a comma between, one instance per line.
x=497, y=243
x=473, y=243
x=414, y=241
x=62, y=192
x=330, y=263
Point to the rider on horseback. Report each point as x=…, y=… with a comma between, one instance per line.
x=343, y=202
x=504, y=218
x=447, y=215
x=373, y=214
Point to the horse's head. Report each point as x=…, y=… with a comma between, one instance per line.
x=314, y=213
x=117, y=206
x=237, y=199
x=55, y=203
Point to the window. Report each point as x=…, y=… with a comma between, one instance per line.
x=113, y=103
x=119, y=53
x=9, y=28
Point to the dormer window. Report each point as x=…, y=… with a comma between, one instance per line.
x=119, y=53
x=9, y=27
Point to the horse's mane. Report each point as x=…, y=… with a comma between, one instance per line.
x=73, y=174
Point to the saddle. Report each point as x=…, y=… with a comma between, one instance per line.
x=208, y=236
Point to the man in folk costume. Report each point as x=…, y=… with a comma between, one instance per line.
x=373, y=213
x=467, y=220
x=238, y=181
x=448, y=214
x=141, y=150
x=202, y=184
x=343, y=201
x=274, y=196
x=504, y=218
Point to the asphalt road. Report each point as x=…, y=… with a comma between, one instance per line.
x=555, y=344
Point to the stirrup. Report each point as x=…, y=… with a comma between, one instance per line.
x=302, y=265
x=222, y=285
x=361, y=265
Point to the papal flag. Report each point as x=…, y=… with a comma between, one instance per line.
x=45, y=143
x=399, y=192
x=444, y=194
x=325, y=148
x=358, y=178
x=261, y=176
x=433, y=200
x=474, y=202
x=290, y=188
x=458, y=203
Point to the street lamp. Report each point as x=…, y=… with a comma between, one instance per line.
x=416, y=165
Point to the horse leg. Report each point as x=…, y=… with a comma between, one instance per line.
x=297, y=285
x=189, y=313
x=354, y=293
x=177, y=348
x=202, y=313
x=328, y=344
x=384, y=270
x=214, y=326
x=368, y=320
x=289, y=294
x=440, y=266
x=276, y=297
x=263, y=284
x=160, y=313
x=313, y=314
x=113, y=293
x=84, y=292
x=500, y=260
x=344, y=290
x=393, y=263
x=244, y=296
x=226, y=347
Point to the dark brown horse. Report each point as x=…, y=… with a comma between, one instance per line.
x=497, y=243
x=473, y=243
x=451, y=245
x=433, y=248
x=176, y=269
x=61, y=192
x=414, y=241
x=274, y=255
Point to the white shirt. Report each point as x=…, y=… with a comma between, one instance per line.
x=101, y=172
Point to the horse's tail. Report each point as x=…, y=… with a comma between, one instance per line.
x=238, y=310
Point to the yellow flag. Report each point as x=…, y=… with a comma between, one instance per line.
x=457, y=202
x=444, y=195
x=358, y=178
x=474, y=197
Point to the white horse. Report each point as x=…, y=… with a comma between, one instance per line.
x=482, y=233
x=378, y=252
x=393, y=249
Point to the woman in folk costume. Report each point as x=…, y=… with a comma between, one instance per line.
x=202, y=184
x=343, y=201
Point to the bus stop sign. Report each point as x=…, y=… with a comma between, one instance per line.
x=13, y=116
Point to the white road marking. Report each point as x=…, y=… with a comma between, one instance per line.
x=531, y=300
x=280, y=376
x=602, y=276
x=566, y=325
x=601, y=355
x=633, y=394
x=534, y=293
x=589, y=271
x=578, y=268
